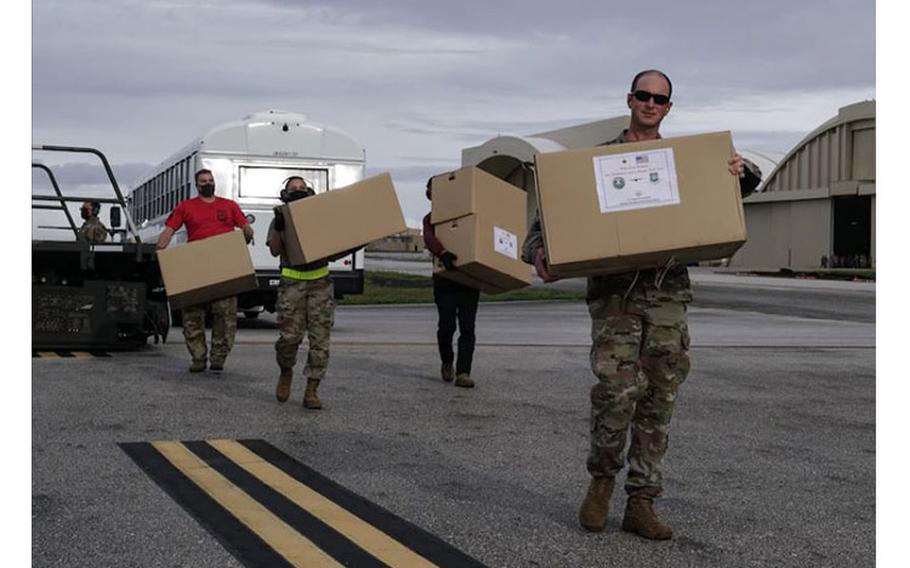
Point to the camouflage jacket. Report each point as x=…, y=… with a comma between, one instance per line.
x=673, y=284
x=93, y=231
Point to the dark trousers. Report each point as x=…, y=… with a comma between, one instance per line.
x=455, y=302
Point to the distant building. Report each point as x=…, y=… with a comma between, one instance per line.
x=816, y=209
x=411, y=240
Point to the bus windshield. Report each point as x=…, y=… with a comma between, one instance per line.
x=267, y=182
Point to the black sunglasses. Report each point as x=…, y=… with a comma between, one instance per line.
x=643, y=96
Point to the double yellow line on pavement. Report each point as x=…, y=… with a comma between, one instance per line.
x=69, y=354
x=270, y=507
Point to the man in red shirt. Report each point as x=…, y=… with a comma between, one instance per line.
x=207, y=216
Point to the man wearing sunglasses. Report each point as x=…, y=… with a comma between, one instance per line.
x=639, y=351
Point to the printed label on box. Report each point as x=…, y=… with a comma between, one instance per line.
x=636, y=180
x=505, y=243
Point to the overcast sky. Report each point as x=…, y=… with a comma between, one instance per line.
x=417, y=81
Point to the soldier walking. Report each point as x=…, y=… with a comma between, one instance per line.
x=306, y=305
x=92, y=230
x=639, y=350
x=207, y=216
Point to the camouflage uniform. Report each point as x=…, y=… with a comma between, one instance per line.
x=224, y=328
x=93, y=231
x=304, y=307
x=640, y=356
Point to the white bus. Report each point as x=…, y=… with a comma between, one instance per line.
x=250, y=159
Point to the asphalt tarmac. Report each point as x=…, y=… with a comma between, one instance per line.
x=771, y=461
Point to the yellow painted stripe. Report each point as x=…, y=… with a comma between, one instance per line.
x=294, y=547
x=48, y=355
x=365, y=535
x=82, y=355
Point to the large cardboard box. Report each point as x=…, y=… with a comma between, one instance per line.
x=466, y=191
x=487, y=233
x=639, y=205
x=489, y=252
x=342, y=219
x=206, y=270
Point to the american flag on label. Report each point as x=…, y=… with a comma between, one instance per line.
x=641, y=159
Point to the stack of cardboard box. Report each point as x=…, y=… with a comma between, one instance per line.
x=483, y=221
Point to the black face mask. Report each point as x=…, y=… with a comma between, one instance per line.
x=85, y=213
x=206, y=190
x=288, y=196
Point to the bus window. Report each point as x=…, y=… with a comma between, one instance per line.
x=264, y=182
x=159, y=202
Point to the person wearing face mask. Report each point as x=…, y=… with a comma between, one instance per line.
x=207, y=215
x=306, y=305
x=92, y=230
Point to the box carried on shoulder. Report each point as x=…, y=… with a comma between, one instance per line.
x=341, y=219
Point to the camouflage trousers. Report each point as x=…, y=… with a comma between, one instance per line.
x=305, y=307
x=639, y=354
x=224, y=328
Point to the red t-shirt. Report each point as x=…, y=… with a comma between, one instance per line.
x=205, y=220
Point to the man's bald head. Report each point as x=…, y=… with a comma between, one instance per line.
x=652, y=72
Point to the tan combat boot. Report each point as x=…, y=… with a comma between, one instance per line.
x=463, y=380
x=640, y=517
x=310, y=398
x=197, y=366
x=448, y=372
x=283, y=390
x=593, y=513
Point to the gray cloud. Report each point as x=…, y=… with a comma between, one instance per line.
x=415, y=78
x=71, y=175
x=410, y=184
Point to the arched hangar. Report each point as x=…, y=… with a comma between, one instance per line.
x=816, y=209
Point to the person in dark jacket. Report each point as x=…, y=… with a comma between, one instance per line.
x=456, y=303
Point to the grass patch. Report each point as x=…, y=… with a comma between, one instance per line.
x=849, y=274
x=400, y=288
